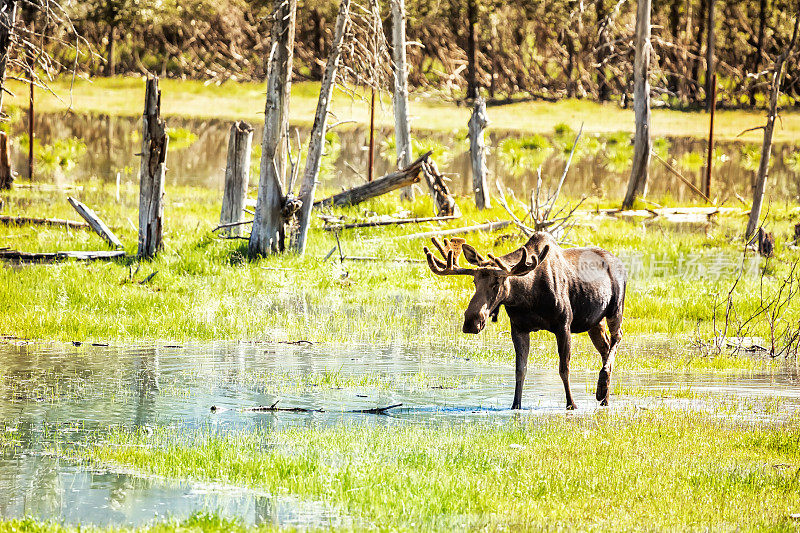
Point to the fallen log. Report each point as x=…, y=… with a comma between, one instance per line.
x=52, y=257
x=20, y=221
x=94, y=221
x=388, y=183
x=274, y=408
x=387, y=222
x=489, y=226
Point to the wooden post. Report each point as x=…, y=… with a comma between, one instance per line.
x=477, y=149
x=711, y=69
x=237, y=176
x=8, y=15
x=152, y=172
x=31, y=127
x=710, y=158
x=317, y=141
x=402, y=130
x=637, y=184
x=268, y=235
x=6, y=176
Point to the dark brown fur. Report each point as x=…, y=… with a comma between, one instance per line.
x=563, y=291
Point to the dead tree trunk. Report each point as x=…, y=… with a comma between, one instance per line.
x=237, y=176
x=602, y=51
x=477, y=150
x=8, y=15
x=637, y=184
x=442, y=198
x=6, y=176
x=766, y=146
x=402, y=130
x=766, y=149
x=317, y=141
x=268, y=235
x=759, y=51
x=96, y=224
x=152, y=171
x=710, y=63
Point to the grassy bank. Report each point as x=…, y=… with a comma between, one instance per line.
x=205, y=289
x=232, y=100
x=631, y=470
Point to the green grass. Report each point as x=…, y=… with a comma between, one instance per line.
x=205, y=289
x=200, y=523
x=232, y=100
x=630, y=470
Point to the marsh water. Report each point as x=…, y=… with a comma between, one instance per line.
x=197, y=156
x=67, y=395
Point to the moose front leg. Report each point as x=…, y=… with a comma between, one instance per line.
x=564, y=339
x=522, y=343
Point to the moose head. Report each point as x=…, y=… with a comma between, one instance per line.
x=491, y=277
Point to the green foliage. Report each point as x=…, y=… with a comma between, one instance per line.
x=61, y=156
x=792, y=161
x=750, y=156
x=691, y=161
x=524, y=154
x=180, y=138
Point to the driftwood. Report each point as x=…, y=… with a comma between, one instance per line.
x=94, y=221
x=51, y=257
x=152, y=172
x=684, y=180
x=275, y=409
x=336, y=226
x=237, y=176
x=674, y=214
x=19, y=221
x=381, y=186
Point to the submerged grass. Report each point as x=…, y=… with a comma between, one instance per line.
x=199, y=523
x=608, y=471
x=205, y=288
x=233, y=100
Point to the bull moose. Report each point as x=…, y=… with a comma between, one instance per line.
x=544, y=287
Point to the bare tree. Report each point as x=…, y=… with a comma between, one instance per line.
x=778, y=72
x=402, y=130
x=637, y=184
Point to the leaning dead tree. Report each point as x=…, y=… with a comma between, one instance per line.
x=778, y=73
x=152, y=172
x=637, y=184
x=315, y=146
x=402, y=130
x=8, y=15
x=268, y=234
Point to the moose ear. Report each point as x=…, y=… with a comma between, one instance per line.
x=544, y=253
x=472, y=256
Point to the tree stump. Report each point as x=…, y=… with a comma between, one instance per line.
x=237, y=176
x=152, y=171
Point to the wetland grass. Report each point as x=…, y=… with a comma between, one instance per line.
x=206, y=290
x=625, y=470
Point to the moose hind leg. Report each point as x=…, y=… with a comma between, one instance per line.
x=603, y=345
x=615, y=329
x=521, y=347
x=564, y=340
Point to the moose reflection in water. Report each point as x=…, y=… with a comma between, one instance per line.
x=560, y=291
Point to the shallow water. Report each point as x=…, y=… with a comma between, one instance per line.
x=113, y=142
x=72, y=395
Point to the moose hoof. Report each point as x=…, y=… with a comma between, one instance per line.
x=571, y=407
x=604, y=402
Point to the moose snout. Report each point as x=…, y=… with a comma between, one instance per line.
x=475, y=324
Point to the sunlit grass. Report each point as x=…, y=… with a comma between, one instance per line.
x=199, y=523
x=610, y=471
x=205, y=288
x=234, y=100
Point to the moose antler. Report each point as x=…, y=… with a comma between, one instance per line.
x=451, y=250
